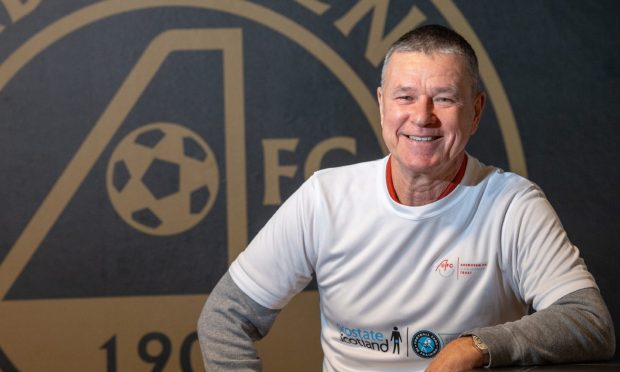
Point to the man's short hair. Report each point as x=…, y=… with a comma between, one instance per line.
x=431, y=39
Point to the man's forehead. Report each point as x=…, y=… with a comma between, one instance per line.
x=412, y=88
x=449, y=67
x=404, y=58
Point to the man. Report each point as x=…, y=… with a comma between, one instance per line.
x=427, y=240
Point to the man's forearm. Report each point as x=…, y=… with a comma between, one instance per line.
x=575, y=328
x=229, y=324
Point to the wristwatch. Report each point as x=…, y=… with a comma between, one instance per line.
x=484, y=349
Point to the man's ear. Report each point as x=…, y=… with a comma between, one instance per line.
x=479, y=103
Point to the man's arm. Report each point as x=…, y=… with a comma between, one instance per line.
x=229, y=324
x=576, y=328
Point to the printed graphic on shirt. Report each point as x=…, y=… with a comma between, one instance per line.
x=459, y=268
x=423, y=343
x=370, y=339
x=396, y=340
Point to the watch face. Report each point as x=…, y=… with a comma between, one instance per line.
x=479, y=344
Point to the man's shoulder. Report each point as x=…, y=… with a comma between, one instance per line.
x=497, y=180
x=357, y=170
x=353, y=179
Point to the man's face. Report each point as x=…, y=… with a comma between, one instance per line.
x=428, y=111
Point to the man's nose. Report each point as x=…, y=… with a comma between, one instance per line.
x=422, y=112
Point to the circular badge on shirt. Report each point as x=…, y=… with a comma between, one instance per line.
x=425, y=344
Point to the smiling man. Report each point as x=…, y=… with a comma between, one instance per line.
x=429, y=108
x=427, y=242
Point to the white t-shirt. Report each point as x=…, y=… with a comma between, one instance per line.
x=397, y=283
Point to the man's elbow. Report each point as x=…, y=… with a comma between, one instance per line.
x=604, y=346
x=609, y=343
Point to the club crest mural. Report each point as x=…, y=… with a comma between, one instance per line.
x=145, y=142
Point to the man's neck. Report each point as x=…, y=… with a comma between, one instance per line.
x=422, y=189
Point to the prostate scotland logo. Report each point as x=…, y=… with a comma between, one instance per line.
x=156, y=137
x=424, y=344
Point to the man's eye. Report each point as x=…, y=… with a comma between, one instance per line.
x=444, y=100
x=405, y=98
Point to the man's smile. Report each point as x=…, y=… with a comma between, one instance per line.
x=422, y=138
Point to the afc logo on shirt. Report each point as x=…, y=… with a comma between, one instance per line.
x=459, y=267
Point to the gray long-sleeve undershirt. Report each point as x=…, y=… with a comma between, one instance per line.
x=577, y=327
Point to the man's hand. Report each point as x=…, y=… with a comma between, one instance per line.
x=458, y=355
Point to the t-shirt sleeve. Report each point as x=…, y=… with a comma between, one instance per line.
x=543, y=263
x=279, y=262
